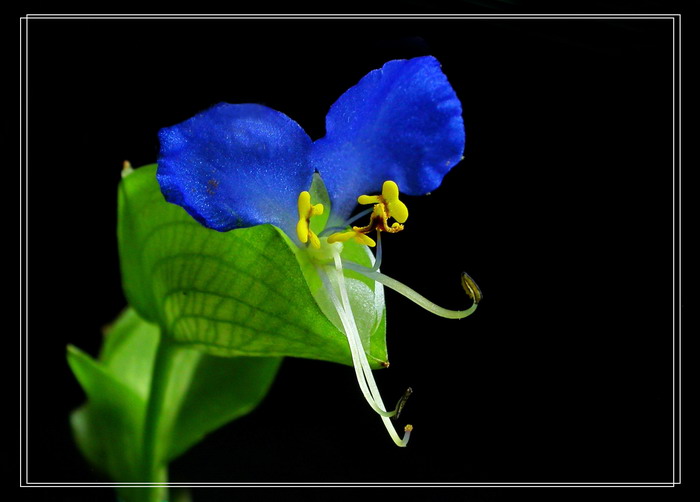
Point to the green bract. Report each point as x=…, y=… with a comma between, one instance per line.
x=247, y=292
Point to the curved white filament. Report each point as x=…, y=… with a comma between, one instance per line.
x=355, y=351
x=409, y=293
x=332, y=278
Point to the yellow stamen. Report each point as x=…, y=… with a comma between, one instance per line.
x=354, y=233
x=387, y=205
x=396, y=208
x=389, y=199
x=303, y=230
x=378, y=221
x=306, y=211
x=390, y=191
x=315, y=242
x=368, y=199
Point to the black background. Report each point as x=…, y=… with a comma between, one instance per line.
x=562, y=211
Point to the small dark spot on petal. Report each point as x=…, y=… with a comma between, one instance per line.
x=212, y=186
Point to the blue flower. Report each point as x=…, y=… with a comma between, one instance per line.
x=239, y=165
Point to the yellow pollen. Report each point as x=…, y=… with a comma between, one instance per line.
x=306, y=211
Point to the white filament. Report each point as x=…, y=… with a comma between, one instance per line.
x=349, y=326
x=333, y=277
x=409, y=293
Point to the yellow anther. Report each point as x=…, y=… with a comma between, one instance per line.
x=368, y=199
x=354, y=233
x=303, y=231
x=306, y=211
x=396, y=208
x=390, y=191
x=303, y=204
x=364, y=239
x=389, y=198
x=315, y=242
x=387, y=205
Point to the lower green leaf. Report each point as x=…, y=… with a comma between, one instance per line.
x=109, y=428
x=202, y=393
x=221, y=390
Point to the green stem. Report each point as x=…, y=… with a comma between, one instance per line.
x=152, y=454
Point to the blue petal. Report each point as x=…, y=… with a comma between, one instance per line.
x=235, y=166
x=402, y=122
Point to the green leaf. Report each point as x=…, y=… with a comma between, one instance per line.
x=203, y=393
x=128, y=350
x=108, y=429
x=237, y=293
x=221, y=390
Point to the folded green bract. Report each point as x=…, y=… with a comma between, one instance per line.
x=237, y=293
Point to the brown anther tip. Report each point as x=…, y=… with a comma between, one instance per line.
x=402, y=403
x=384, y=364
x=470, y=287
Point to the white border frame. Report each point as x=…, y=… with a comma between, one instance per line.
x=676, y=261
